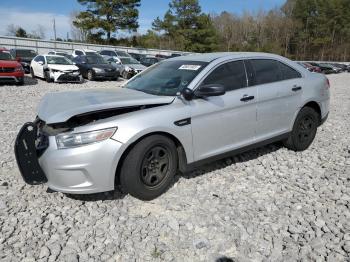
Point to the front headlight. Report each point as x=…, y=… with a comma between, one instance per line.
x=127, y=68
x=55, y=70
x=98, y=70
x=80, y=139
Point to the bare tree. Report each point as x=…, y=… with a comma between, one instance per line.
x=11, y=30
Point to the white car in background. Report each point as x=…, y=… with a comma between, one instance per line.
x=55, y=68
x=79, y=52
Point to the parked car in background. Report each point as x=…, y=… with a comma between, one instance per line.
x=343, y=67
x=137, y=56
x=116, y=54
x=11, y=71
x=162, y=56
x=95, y=67
x=179, y=114
x=79, y=52
x=150, y=60
x=24, y=56
x=61, y=53
x=336, y=70
x=54, y=68
x=127, y=66
x=325, y=69
x=310, y=67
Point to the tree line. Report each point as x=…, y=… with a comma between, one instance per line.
x=299, y=29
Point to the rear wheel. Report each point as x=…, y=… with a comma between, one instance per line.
x=149, y=168
x=304, y=130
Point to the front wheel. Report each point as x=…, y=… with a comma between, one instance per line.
x=32, y=72
x=90, y=75
x=304, y=130
x=149, y=168
x=47, y=76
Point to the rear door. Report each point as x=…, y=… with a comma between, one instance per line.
x=224, y=123
x=38, y=67
x=279, y=90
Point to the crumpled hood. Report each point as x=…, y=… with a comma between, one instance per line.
x=61, y=106
x=63, y=67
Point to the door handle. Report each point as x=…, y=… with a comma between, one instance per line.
x=246, y=98
x=296, y=88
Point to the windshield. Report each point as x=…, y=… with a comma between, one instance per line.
x=25, y=53
x=90, y=53
x=95, y=59
x=58, y=60
x=5, y=56
x=128, y=60
x=166, y=78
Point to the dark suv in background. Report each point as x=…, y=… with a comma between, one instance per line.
x=24, y=56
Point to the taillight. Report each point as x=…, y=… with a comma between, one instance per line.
x=328, y=83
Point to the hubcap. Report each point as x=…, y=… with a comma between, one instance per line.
x=155, y=166
x=306, y=128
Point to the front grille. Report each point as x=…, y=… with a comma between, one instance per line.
x=7, y=69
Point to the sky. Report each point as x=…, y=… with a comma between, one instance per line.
x=31, y=13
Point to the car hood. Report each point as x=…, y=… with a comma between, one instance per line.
x=63, y=67
x=8, y=63
x=60, y=107
x=137, y=66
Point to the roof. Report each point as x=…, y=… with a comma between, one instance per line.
x=209, y=57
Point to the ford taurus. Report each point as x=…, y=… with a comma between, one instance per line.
x=175, y=115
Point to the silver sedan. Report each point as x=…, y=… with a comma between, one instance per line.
x=173, y=116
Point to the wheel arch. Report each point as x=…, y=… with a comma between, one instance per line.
x=182, y=158
x=314, y=105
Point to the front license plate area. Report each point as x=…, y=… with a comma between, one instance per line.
x=26, y=155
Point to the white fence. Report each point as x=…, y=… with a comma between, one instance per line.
x=44, y=46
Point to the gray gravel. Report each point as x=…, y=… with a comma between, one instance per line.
x=268, y=204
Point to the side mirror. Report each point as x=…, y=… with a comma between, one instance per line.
x=187, y=93
x=40, y=62
x=210, y=90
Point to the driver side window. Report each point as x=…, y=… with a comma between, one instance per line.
x=231, y=75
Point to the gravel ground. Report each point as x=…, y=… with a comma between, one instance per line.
x=268, y=204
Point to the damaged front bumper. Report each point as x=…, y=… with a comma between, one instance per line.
x=27, y=154
x=66, y=77
x=80, y=170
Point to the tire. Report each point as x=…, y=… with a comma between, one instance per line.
x=90, y=75
x=149, y=168
x=304, y=130
x=47, y=76
x=125, y=75
x=32, y=72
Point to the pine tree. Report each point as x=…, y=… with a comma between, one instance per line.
x=108, y=16
x=187, y=26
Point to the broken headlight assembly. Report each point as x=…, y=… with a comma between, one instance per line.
x=70, y=140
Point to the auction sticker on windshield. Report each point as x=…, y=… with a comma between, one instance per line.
x=190, y=67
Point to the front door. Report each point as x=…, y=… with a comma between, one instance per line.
x=224, y=123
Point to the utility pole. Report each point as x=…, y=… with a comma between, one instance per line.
x=54, y=28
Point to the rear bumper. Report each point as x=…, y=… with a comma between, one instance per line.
x=81, y=170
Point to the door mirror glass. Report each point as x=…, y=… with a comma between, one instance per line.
x=210, y=90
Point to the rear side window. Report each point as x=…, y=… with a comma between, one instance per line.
x=288, y=72
x=266, y=71
x=77, y=52
x=231, y=75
